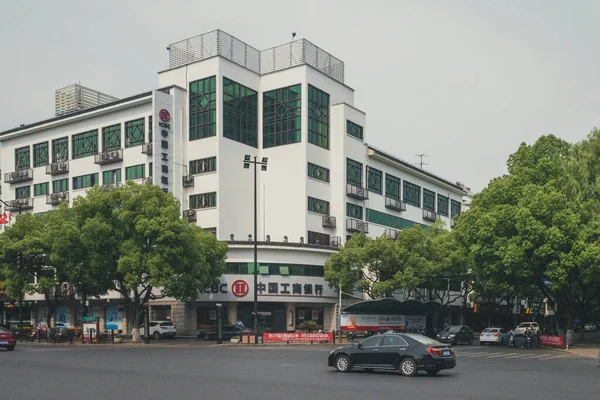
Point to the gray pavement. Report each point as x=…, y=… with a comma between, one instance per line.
x=179, y=371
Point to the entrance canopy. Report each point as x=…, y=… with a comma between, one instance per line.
x=387, y=306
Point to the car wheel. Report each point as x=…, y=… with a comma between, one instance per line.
x=432, y=371
x=408, y=367
x=156, y=335
x=10, y=348
x=342, y=363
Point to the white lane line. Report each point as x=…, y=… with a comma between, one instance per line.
x=478, y=355
x=552, y=358
x=466, y=354
x=503, y=355
x=519, y=356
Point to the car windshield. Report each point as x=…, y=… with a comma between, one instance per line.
x=166, y=324
x=452, y=329
x=424, y=340
x=525, y=325
x=2, y=330
x=490, y=330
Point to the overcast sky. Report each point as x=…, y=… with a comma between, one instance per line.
x=463, y=81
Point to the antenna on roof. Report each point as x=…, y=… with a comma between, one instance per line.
x=293, y=35
x=420, y=163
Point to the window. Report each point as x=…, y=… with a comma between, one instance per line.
x=318, y=172
x=203, y=105
x=354, y=211
x=85, y=181
x=282, y=110
x=353, y=129
x=318, y=206
x=428, y=200
x=318, y=117
x=23, y=192
x=455, y=207
x=203, y=200
x=22, y=160
x=454, y=285
x=85, y=144
x=41, y=189
x=412, y=194
x=374, y=180
x=390, y=340
x=203, y=165
x=442, y=205
x=240, y=113
x=322, y=239
x=353, y=172
x=61, y=185
x=381, y=218
x=275, y=269
x=40, y=154
x=150, y=127
x=134, y=132
x=112, y=176
x=373, y=341
x=392, y=186
x=135, y=172
x=60, y=149
x=111, y=137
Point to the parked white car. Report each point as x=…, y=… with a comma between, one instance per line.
x=524, y=326
x=493, y=336
x=160, y=329
x=591, y=327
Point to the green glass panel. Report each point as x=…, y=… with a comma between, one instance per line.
x=318, y=206
x=392, y=221
x=134, y=132
x=202, y=100
x=281, y=116
x=135, y=172
x=60, y=149
x=442, y=205
x=392, y=186
x=61, y=185
x=40, y=154
x=203, y=165
x=374, y=181
x=318, y=172
x=354, y=129
x=85, y=144
x=113, y=176
x=353, y=172
x=412, y=194
x=354, y=211
x=240, y=113
x=318, y=117
x=455, y=208
x=203, y=200
x=23, y=192
x=111, y=137
x=41, y=189
x=22, y=158
x=428, y=200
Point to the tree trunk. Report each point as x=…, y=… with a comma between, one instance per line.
x=135, y=330
x=490, y=313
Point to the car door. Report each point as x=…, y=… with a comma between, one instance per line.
x=368, y=352
x=392, y=347
x=228, y=332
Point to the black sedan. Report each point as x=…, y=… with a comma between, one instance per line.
x=408, y=353
x=455, y=334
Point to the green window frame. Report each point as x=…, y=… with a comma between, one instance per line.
x=240, y=113
x=455, y=208
x=23, y=192
x=203, y=108
x=442, y=205
x=354, y=211
x=40, y=154
x=85, y=144
x=317, y=172
x=203, y=166
x=60, y=185
x=318, y=206
x=135, y=172
x=112, y=176
x=318, y=117
x=374, y=180
x=354, y=129
x=135, y=134
x=111, y=137
x=392, y=221
x=41, y=189
x=203, y=200
x=392, y=187
x=412, y=194
x=428, y=200
x=60, y=149
x=282, y=116
x=354, y=171
x=85, y=181
x=318, y=238
x=22, y=158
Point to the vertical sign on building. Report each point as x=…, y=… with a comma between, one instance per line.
x=162, y=137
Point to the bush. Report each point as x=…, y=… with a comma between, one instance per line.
x=309, y=326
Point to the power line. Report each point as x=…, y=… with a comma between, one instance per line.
x=420, y=163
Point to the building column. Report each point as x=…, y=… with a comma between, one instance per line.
x=290, y=317
x=328, y=316
x=232, y=312
x=184, y=318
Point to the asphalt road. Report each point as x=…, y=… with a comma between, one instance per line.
x=298, y=372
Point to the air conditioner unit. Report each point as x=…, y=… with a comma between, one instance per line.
x=63, y=166
x=105, y=155
x=54, y=167
x=114, y=154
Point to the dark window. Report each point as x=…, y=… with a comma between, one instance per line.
x=454, y=285
x=203, y=165
x=61, y=185
x=203, y=101
x=442, y=205
x=85, y=144
x=23, y=192
x=134, y=132
x=282, y=110
x=240, y=119
x=41, y=189
x=85, y=181
x=393, y=341
x=203, y=200
x=318, y=172
x=354, y=211
x=353, y=129
x=111, y=137
x=135, y=172
x=22, y=158
x=318, y=117
x=276, y=269
x=40, y=154
x=455, y=208
x=373, y=341
x=60, y=149
x=392, y=186
x=353, y=172
x=428, y=200
x=318, y=206
x=374, y=180
x=318, y=238
x=412, y=194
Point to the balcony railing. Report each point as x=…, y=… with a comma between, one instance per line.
x=108, y=157
x=328, y=221
x=56, y=198
x=61, y=167
x=355, y=225
x=394, y=204
x=429, y=215
x=190, y=215
x=392, y=233
x=19, y=176
x=147, y=148
x=188, y=181
x=20, y=204
x=357, y=192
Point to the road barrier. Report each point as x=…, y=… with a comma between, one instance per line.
x=549, y=340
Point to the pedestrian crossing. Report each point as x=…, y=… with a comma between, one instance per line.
x=499, y=354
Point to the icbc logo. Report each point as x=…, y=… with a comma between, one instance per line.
x=164, y=115
x=240, y=288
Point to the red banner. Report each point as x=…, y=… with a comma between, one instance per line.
x=547, y=340
x=300, y=337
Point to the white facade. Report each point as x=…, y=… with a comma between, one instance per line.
x=288, y=232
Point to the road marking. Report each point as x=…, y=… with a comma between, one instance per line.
x=502, y=355
x=466, y=354
x=478, y=355
x=517, y=356
x=552, y=358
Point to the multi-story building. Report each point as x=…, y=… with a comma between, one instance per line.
x=220, y=101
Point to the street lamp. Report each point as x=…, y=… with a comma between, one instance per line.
x=263, y=167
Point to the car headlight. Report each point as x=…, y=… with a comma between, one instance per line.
x=453, y=335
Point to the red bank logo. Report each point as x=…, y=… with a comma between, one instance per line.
x=240, y=288
x=164, y=115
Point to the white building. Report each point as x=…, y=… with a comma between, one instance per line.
x=220, y=100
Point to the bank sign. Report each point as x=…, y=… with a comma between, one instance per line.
x=270, y=288
x=162, y=140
